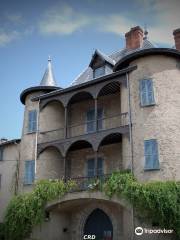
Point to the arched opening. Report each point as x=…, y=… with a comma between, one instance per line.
x=110, y=148
x=52, y=121
x=99, y=224
x=78, y=106
x=77, y=157
x=109, y=101
x=50, y=164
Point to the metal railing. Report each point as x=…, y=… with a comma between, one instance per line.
x=110, y=122
x=89, y=183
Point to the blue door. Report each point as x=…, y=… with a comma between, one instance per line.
x=99, y=224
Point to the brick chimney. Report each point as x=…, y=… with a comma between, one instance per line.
x=134, y=38
x=176, y=34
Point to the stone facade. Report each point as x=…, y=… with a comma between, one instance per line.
x=62, y=145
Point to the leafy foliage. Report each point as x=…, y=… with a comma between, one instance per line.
x=27, y=210
x=156, y=201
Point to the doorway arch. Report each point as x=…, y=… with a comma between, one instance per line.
x=99, y=224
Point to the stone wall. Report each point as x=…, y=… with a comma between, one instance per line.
x=8, y=170
x=159, y=122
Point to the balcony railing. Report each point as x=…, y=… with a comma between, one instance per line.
x=87, y=127
x=89, y=183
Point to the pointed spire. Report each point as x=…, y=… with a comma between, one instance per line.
x=48, y=78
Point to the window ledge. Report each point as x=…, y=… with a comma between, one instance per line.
x=148, y=105
x=31, y=132
x=151, y=169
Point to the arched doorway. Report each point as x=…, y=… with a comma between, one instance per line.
x=99, y=224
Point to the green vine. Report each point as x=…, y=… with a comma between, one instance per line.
x=156, y=201
x=27, y=210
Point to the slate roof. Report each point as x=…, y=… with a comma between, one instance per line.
x=87, y=74
x=48, y=78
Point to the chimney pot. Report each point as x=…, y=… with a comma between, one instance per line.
x=134, y=38
x=176, y=34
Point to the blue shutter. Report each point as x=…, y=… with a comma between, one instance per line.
x=150, y=92
x=1, y=154
x=146, y=92
x=91, y=167
x=100, y=118
x=90, y=117
x=32, y=121
x=100, y=167
x=29, y=171
x=143, y=92
x=151, y=154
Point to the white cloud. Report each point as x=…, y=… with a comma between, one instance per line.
x=7, y=37
x=63, y=20
x=162, y=18
x=166, y=15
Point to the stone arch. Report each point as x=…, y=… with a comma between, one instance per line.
x=112, y=137
x=52, y=117
x=43, y=104
x=84, y=94
x=90, y=225
x=104, y=207
x=50, y=163
x=110, y=148
x=76, y=144
x=109, y=88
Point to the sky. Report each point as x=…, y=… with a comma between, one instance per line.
x=69, y=31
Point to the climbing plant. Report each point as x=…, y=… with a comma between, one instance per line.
x=27, y=210
x=156, y=201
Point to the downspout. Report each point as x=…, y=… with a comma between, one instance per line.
x=131, y=145
x=36, y=139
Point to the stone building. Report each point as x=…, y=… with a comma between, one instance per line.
x=122, y=112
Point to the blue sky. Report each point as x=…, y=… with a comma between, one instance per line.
x=69, y=31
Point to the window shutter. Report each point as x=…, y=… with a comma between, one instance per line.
x=146, y=92
x=100, y=118
x=32, y=121
x=155, y=154
x=100, y=170
x=29, y=171
x=150, y=93
x=91, y=167
x=1, y=154
x=143, y=92
x=90, y=117
x=151, y=154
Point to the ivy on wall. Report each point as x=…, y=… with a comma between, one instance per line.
x=27, y=210
x=156, y=201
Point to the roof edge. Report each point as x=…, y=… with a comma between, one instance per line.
x=144, y=52
x=85, y=84
x=18, y=140
x=27, y=91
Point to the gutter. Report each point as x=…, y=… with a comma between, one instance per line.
x=86, y=84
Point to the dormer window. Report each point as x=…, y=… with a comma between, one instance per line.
x=101, y=64
x=98, y=72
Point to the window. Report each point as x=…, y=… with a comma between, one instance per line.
x=1, y=153
x=29, y=172
x=151, y=154
x=98, y=72
x=90, y=117
x=91, y=168
x=32, y=121
x=146, y=92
